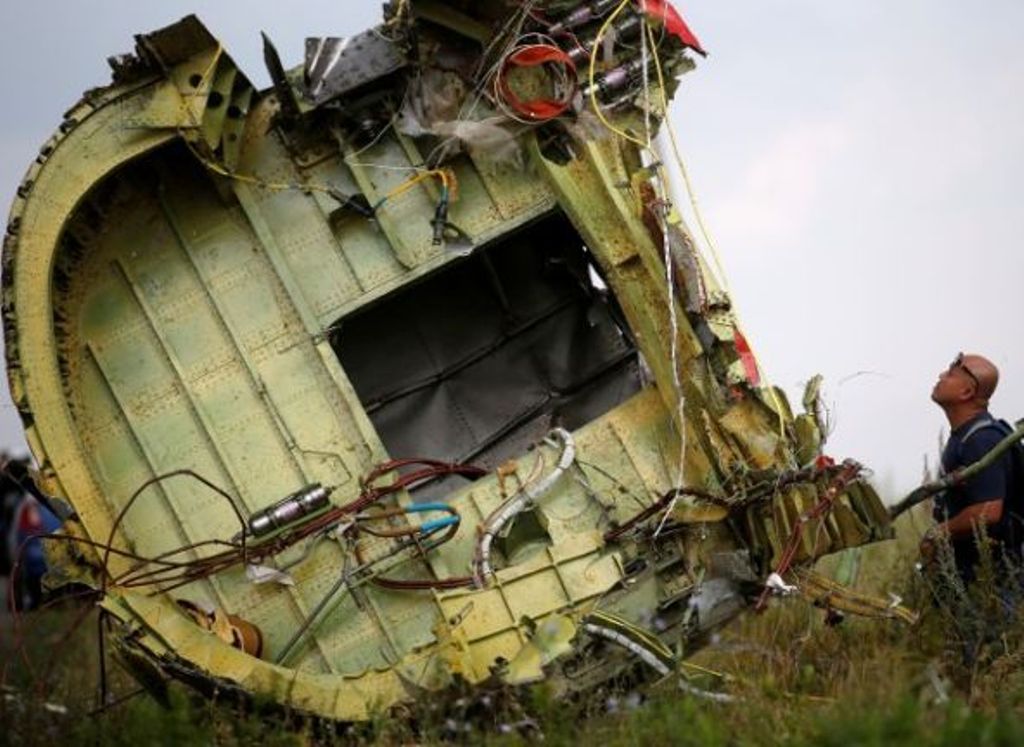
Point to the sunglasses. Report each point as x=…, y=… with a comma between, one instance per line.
x=958, y=362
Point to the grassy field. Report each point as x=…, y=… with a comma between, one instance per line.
x=789, y=677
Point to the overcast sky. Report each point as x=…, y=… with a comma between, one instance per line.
x=858, y=164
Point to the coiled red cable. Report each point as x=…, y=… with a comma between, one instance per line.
x=534, y=55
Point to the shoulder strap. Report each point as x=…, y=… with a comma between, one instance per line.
x=1017, y=474
x=989, y=422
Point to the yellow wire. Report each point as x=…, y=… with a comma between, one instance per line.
x=593, y=89
x=443, y=175
x=446, y=176
x=209, y=163
x=202, y=84
x=213, y=63
x=700, y=222
x=214, y=165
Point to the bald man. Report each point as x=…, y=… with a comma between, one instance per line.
x=963, y=392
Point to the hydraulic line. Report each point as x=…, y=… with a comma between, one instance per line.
x=644, y=645
x=518, y=503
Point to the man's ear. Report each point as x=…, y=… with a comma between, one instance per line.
x=968, y=392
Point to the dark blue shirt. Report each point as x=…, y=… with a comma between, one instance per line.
x=967, y=444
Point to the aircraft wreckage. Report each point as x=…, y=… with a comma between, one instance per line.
x=404, y=371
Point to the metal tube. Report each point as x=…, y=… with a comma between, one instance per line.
x=289, y=510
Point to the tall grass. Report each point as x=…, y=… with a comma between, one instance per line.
x=955, y=678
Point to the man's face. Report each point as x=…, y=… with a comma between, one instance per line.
x=955, y=384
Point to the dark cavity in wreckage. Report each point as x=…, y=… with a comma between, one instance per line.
x=405, y=371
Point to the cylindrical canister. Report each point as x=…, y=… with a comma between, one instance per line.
x=298, y=505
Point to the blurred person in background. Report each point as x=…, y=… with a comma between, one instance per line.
x=11, y=495
x=23, y=520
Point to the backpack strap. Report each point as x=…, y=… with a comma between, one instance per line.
x=989, y=422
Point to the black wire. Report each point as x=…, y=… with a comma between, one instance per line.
x=102, y=648
x=116, y=702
